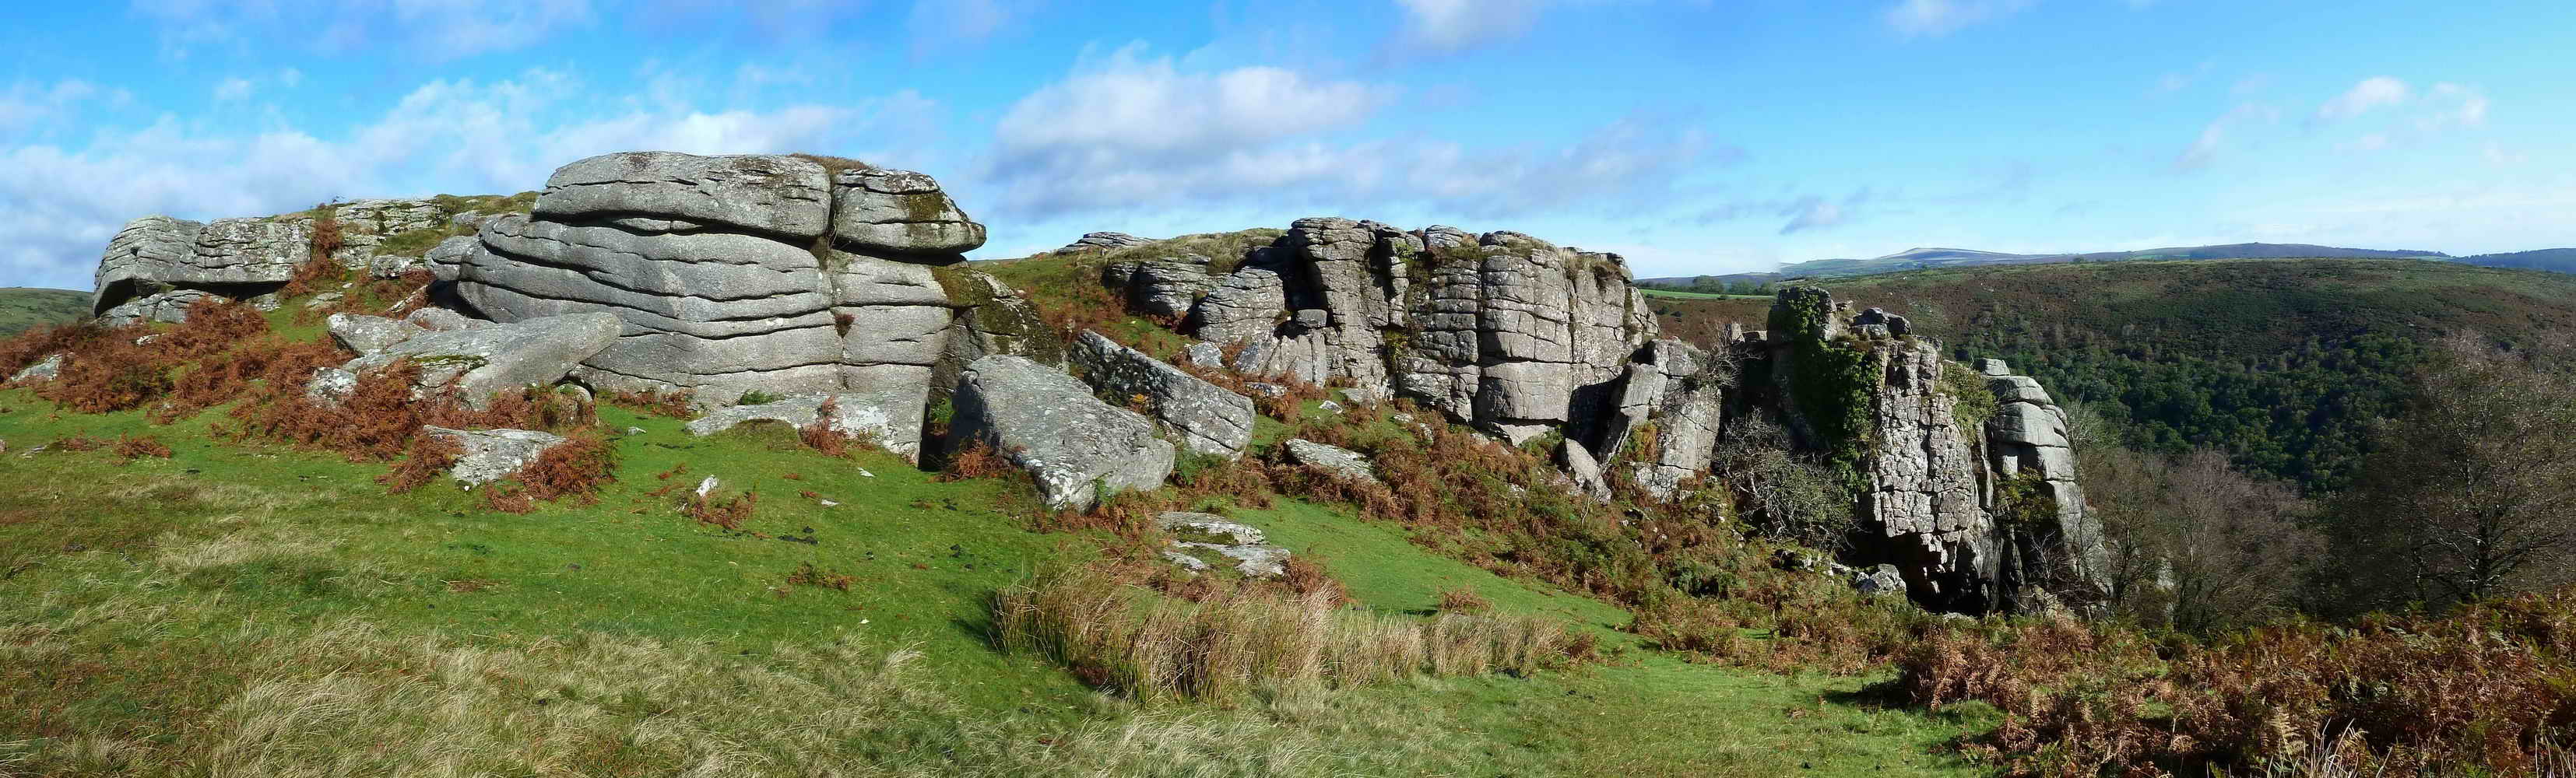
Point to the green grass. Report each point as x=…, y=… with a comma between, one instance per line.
x=23, y=308
x=148, y=601
x=244, y=608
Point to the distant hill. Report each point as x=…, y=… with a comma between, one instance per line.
x=22, y=308
x=2557, y=260
x=1931, y=258
x=2283, y=363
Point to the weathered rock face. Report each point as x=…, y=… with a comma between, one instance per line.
x=1163, y=287
x=1931, y=503
x=2027, y=438
x=237, y=258
x=1925, y=484
x=1102, y=241
x=1078, y=448
x=482, y=361
x=1504, y=331
x=1679, y=391
x=734, y=274
x=155, y=258
x=1205, y=418
x=369, y=334
x=991, y=318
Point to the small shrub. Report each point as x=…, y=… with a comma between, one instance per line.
x=729, y=513
x=427, y=458
x=977, y=460
x=806, y=575
x=130, y=448
x=1463, y=601
x=675, y=405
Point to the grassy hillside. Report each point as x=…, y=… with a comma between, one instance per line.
x=2281, y=362
x=23, y=308
x=234, y=606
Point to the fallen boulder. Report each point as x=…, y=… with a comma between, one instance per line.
x=1193, y=533
x=1334, y=460
x=853, y=415
x=486, y=360
x=1208, y=418
x=1079, y=448
x=43, y=370
x=491, y=455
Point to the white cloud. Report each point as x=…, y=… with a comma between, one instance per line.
x=27, y=103
x=290, y=77
x=2496, y=154
x=942, y=24
x=234, y=88
x=61, y=204
x=1130, y=133
x=2454, y=105
x=1451, y=25
x=2213, y=136
x=430, y=29
x=2370, y=93
x=1942, y=17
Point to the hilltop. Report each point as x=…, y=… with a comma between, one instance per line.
x=1934, y=258
x=23, y=308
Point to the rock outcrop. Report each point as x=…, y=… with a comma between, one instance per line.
x=156, y=265
x=735, y=274
x=1079, y=448
x=1204, y=418
x=1507, y=332
x=43, y=370
x=1938, y=501
x=2026, y=441
x=1678, y=391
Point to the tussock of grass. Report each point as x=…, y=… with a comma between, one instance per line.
x=1237, y=638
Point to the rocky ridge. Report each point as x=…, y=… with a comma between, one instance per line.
x=817, y=281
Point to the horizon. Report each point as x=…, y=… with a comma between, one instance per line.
x=1695, y=139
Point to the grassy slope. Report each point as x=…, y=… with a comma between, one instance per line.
x=23, y=308
x=249, y=608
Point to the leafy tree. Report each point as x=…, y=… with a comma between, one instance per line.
x=2472, y=494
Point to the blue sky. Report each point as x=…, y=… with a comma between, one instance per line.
x=1694, y=137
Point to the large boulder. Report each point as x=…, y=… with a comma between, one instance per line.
x=481, y=362
x=1164, y=287
x=1208, y=419
x=2027, y=438
x=491, y=455
x=902, y=212
x=1078, y=448
x=730, y=275
x=1678, y=390
x=239, y=257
